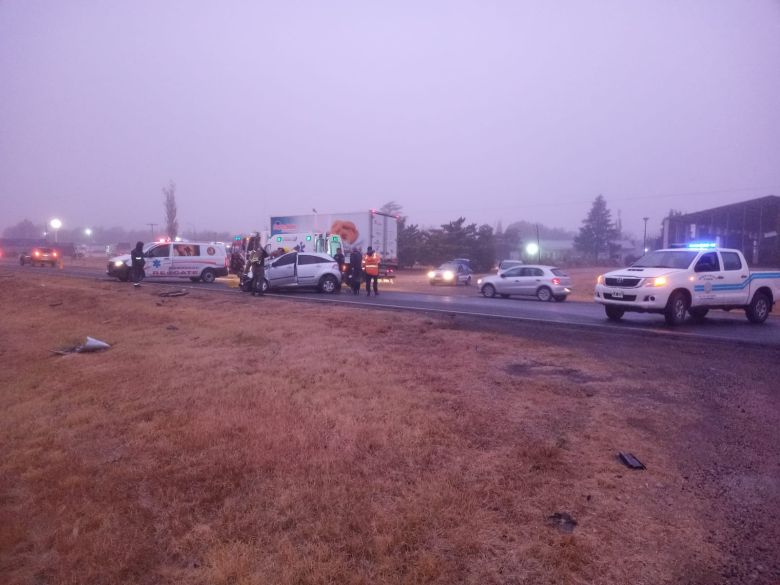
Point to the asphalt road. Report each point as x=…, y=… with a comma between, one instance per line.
x=719, y=326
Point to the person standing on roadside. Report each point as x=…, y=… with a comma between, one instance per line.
x=137, y=263
x=355, y=270
x=257, y=260
x=371, y=268
x=342, y=262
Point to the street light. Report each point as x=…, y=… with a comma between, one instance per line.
x=55, y=224
x=532, y=248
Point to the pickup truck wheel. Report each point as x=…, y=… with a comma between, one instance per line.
x=544, y=294
x=676, y=308
x=489, y=291
x=758, y=309
x=614, y=313
x=698, y=314
x=208, y=276
x=328, y=284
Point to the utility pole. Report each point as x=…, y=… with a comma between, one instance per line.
x=151, y=228
x=538, y=246
x=644, y=241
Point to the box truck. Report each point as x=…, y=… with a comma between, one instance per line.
x=359, y=229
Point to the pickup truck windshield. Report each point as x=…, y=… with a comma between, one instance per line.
x=666, y=259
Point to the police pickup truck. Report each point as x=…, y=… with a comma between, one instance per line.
x=680, y=281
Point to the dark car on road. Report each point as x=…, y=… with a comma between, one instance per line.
x=40, y=257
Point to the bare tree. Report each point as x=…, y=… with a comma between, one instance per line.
x=171, y=224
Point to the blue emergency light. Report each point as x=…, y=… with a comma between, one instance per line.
x=278, y=238
x=702, y=245
x=308, y=238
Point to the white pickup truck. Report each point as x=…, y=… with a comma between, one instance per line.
x=680, y=281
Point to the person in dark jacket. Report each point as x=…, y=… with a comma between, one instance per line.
x=257, y=259
x=341, y=260
x=355, y=270
x=137, y=263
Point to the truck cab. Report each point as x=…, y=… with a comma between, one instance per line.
x=677, y=282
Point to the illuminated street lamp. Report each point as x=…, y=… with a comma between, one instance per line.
x=55, y=224
x=532, y=248
x=87, y=232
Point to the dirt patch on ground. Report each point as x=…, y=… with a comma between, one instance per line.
x=239, y=440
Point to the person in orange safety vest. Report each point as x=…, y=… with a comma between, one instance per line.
x=371, y=270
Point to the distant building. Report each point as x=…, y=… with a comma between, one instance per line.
x=750, y=226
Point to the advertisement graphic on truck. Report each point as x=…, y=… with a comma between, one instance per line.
x=356, y=229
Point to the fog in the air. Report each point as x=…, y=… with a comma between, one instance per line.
x=503, y=110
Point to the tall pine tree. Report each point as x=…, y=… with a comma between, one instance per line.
x=597, y=231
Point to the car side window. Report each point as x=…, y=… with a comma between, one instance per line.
x=708, y=263
x=308, y=259
x=537, y=272
x=186, y=250
x=160, y=251
x=285, y=260
x=513, y=272
x=731, y=261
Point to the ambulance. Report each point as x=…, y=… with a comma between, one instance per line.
x=198, y=261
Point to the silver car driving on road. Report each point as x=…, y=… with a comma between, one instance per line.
x=546, y=283
x=450, y=273
x=303, y=270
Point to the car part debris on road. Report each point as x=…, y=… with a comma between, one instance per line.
x=630, y=461
x=563, y=521
x=174, y=293
x=89, y=346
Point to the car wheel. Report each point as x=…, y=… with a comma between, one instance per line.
x=328, y=284
x=614, y=313
x=265, y=286
x=676, y=308
x=208, y=276
x=698, y=313
x=544, y=294
x=489, y=291
x=758, y=309
x=124, y=277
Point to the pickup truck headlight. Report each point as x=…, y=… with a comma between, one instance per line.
x=657, y=281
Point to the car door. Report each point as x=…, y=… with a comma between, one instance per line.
x=308, y=269
x=707, y=289
x=734, y=279
x=281, y=272
x=158, y=261
x=508, y=282
x=524, y=284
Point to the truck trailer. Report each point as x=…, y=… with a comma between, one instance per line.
x=357, y=230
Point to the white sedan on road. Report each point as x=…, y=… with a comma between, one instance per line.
x=546, y=283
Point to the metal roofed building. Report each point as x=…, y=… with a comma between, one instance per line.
x=751, y=226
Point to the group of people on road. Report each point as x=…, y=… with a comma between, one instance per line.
x=360, y=265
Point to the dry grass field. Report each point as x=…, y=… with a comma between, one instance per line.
x=230, y=440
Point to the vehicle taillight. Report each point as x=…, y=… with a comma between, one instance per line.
x=37, y=253
x=54, y=254
x=556, y=281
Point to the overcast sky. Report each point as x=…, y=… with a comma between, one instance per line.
x=496, y=110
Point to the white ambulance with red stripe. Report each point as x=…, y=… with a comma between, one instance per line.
x=198, y=261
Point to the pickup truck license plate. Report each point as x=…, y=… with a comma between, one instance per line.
x=617, y=294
